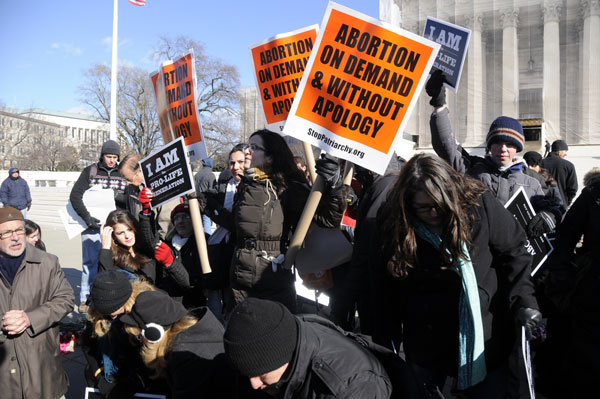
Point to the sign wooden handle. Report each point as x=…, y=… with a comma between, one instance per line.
x=304, y=223
x=199, y=234
x=348, y=173
x=310, y=160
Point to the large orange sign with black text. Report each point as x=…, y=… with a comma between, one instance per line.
x=360, y=85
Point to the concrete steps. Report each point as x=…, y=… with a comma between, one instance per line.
x=46, y=201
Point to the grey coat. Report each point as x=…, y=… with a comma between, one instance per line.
x=30, y=363
x=503, y=184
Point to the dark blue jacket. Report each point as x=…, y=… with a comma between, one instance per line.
x=15, y=193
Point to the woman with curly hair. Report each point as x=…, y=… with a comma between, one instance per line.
x=454, y=277
x=185, y=347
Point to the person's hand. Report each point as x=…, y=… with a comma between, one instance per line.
x=106, y=236
x=28, y=205
x=162, y=253
x=14, y=322
x=145, y=196
x=329, y=169
x=541, y=223
x=92, y=223
x=529, y=318
x=435, y=88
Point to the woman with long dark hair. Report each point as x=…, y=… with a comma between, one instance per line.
x=266, y=209
x=454, y=278
x=123, y=249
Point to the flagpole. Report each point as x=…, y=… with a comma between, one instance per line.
x=113, y=75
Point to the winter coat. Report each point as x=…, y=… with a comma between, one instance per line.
x=107, y=178
x=15, y=193
x=328, y=365
x=422, y=310
x=564, y=173
x=205, y=179
x=197, y=365
x=30, y=363
x=503, y=184
x=262, y=221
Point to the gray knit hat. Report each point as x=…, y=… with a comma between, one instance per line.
x=110, y=147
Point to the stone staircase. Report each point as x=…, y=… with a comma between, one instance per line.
x=45, y=203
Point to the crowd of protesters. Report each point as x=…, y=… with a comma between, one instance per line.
x=431, y=303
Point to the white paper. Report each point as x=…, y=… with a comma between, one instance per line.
x=99, y=203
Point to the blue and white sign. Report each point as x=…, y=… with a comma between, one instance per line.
x=451, y=57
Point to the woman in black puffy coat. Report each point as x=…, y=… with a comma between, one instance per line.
x=266, y=209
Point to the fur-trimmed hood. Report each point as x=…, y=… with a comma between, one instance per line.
x=592, y=177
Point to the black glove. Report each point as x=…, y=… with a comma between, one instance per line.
x=329, y=169
x=541, y=223
x=201, y=199
x=29, y=205
x=92, y=223
x=435, y=88
x=529, y=318
x=351, y=197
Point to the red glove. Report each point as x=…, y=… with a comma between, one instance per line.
x=163, y=254
x=145, y=196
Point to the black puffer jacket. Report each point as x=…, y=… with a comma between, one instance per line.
x=328, y=365
x=262, y=222
x=197, y=365
x=422, y=310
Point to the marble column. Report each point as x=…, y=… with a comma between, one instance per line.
x=510, y=63
x=425, y=9
x=474, y=80
x=551, y=73
x=390, y=12
x=590, y=71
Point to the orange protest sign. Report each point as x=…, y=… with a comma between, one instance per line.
x=278, y=66
x=361, y=83
x=175, y=91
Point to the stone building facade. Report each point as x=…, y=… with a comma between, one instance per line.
x=529, y=59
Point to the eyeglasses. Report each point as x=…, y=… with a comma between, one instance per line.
x=5, y=235
x=254, y=147
x=426, y=208
x=181, y=216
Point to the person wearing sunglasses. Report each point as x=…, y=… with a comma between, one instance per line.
x=453, y=280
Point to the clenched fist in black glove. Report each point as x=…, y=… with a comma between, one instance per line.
x=529, y=318
x=329, y=169
x=92, y=222
x=435, y=88
x=541, y=223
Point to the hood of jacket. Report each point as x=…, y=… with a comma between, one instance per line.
x=592, y=177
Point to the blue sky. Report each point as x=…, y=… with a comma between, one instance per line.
x=46, y=45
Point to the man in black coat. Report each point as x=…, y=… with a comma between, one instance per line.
x=106, y=174
x=288, y=357
x=562, y=170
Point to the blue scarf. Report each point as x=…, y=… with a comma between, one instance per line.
x=471, y=358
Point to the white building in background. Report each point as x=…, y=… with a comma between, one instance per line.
x=83, y=132
x=536, y=60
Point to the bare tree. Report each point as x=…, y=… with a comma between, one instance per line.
x=218, y=88
x=17, y=136
x=137, y=122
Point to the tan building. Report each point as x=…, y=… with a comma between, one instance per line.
x=40, y=138
x=528, y=59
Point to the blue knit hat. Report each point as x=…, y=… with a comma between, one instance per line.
x=506, y=129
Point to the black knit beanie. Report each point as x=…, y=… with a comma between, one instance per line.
x=110, y=291
x=560, y=145
x=110, y=147
x=261, y=336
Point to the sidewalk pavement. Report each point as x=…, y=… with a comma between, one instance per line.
x=69, y=256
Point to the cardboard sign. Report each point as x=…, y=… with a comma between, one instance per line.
x=521, y=209
x=167, y=172
x=175, y=91
x=278, y=66
x=361, y=83
x=454, y=40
